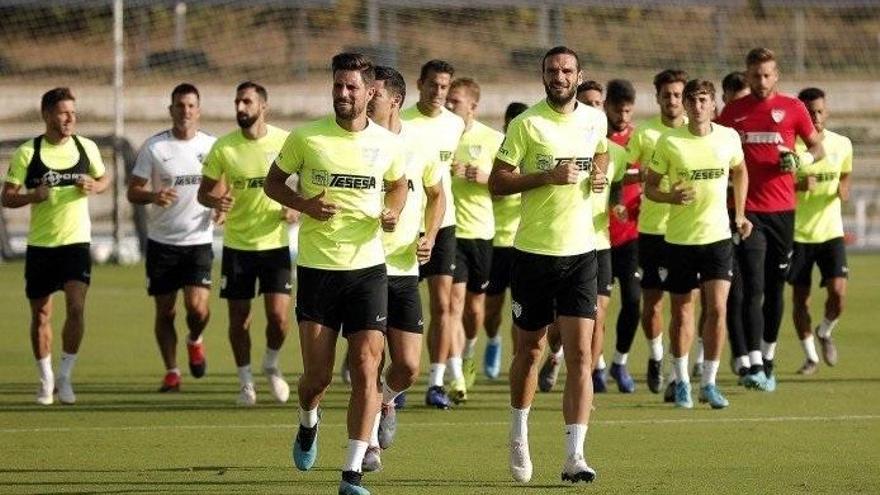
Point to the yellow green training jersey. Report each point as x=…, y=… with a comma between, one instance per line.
x=616, y=171
x=652, y=215
x=255, y=222
x=817, y=215
x=474, y=218
x=704, y=163
x=505, y=210
x=422, y=171
x=555, y=220
x=439, y=136
x=350, y=168
x=63, y=218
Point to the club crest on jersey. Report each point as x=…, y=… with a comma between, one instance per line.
x=543, y=162
x=369, y=155
x=474, y=151
x=777, y=114
x=445, y=156
x=200, y=157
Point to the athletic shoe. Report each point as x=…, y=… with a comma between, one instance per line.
x=600, y=382
x=741, y=374
x=669, y=392
x=351, y=484
x=305, y=447
x=372, y=460
x=697, y=370
x=548, y=374
x=625, y=382
x=829, y=350
x=576, y=469
x=247, y=397
x=197, y=363
x=809, y=368
x=469, y=368
x=436, y=396
x=458, y=391
x=710, y=393
x=171, y=383
x=520, y=461
x=492, y=360
x=755, y=381
x=65, y=390
x=44, y=393
x=387, y=425
x=771, y=383
x=277, y=386
x=400, y=401
x=655, y=375
x=683, y=395
x=344, y=371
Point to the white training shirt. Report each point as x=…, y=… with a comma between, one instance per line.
x=166, y=161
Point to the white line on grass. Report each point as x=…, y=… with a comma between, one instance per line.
x=617, y=422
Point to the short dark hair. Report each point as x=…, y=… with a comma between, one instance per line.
x=184, y=89
x=696, y=87
x=620, y=92
x=808, y=95
x=254, y=86
x=436, y=66
x=561, y=50
x=53, y=97
x=734, y=82
x=394, y=82
x=759, y=56
x=357, y=62
x=590, y=86
x=513, y=109
x=468, y=85
x=669, y=76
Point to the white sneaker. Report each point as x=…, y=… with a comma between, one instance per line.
x=248, y=396
x=576, y=469
x=44, y=394
x=279, y=388
x=520, y=460
x=65, y=391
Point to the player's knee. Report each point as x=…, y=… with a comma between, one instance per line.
x=578, y=359
x=197, y=315
x=276, y=320
x=75, y=310
x=315, y=382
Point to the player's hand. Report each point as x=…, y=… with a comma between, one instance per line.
x=743, y=227
x=319, y=209
x=219, y=218
x=389, y=219
x=564, y=173
x=86, y=184
x=598, y=180
x=473, y=174
x=682, y=193
x=224, y=203
x=459, y=169
x=620, y=212
x=40, y=194
x=807, y=183
x=788, y=160
x=165, y=197
x=424, y=248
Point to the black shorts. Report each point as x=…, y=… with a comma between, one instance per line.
x=604, y=280
x=47, y=269
x=473, y=262
x=829, y=256
x=772, y=233
x=544, y=287
x=690, y=266
x=240, y=271
x=442, y=260
x=347, y=300
x=170, y=267
x=499, y=274
x=625, y=261
x=405, y=304
x=652, y=261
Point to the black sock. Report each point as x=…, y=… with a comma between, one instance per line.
x=755, y=368
x=352, y=477
x=306, y=436
x=768, y=367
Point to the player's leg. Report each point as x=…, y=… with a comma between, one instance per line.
x=275, y=285
x=800, y=278
x=318, y=350
x=736, y=331
x=625, y=269
x=166, y=338
x=832, y=264
x=714, y=329
x=683, y=277
x=553, y=363
x=752, y=256
x=41, y=345
x=196, y=299
x=499, y=281
x=699, y=351
x=440, y=334
x=479, y=260
x=776, y=268
x=652, y=250
x=71, y=337
x=457, y=385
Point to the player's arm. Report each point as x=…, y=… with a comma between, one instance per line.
x=505, y=180
x=843, y=187
x=435, y=207
x=678, y=195
x=16, y=196
x=598, y=173
x=276, y=188
x=213, y=195
x=395, y=199
x=138, y=193
x=90, y=185
x=739, y=178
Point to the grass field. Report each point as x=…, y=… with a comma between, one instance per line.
x=814, y=435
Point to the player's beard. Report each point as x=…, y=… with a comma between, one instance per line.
x=561, y=99
x=347, y=112
x=245, y=121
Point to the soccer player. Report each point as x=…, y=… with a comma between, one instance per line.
x=166, y=176
x=734, y=87
x=474, y=223
x=255, y=238
x=55, y=173
x=697, y=160
x=555, y=154
x=343, y=160
x=768, y=123
x=505, y=210
x=652, y=216
x=439, y=130
x=818, y=234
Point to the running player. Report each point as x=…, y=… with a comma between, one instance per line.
x=166, y=176
x=57, y=256
x=343, y=161
x=768, y=123
x=439, y=130
x=474, y=224
x=255, y=239
x=554, y=153
x=818, y=234
x=697, y=160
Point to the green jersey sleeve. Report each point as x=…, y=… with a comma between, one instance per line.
x=515, y=145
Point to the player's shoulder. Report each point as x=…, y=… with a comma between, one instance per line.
x=276, y=133
x=486, y=131
x=837, y=138
x=588, y=112
x=86, y=142
x=159, y=137
x=322, y=126
x=725, y=131
x=451, y=119
x=229, y=139
x=652, y=124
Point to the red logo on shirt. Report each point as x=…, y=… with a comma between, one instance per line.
x=777, y=114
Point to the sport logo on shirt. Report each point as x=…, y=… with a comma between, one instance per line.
x=704, y=174
x=777, y=114
x=346, y=181
x=543, y=162
x=54, y=179
x=826, y=176
x=583, y=163
x=187, y=180
x=248, y=183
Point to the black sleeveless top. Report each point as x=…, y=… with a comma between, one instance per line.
x=38, y=173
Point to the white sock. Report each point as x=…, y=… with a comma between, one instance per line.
x=496, y=340
x=825, y=328
x=620, y=358
x=469, y=347
x=270, y=359
x=743, y=362
x=308, y=418
x=600, y=363
x=575, y=435
x=809, y=345
x=244, y=375
x=176, y=371
x=519, y=423
x=44, y=366
x=559, y=354
x=435, y=378
x=768, y=350
x=388, y=395
x=191, y=341
x=710, y=371
x=755, y=358
x=354, y=457
x=673, y=375
x=454, y=364
x=700, y=354
x=374, y=434
x=681, y=368
x=67, y=362
x=656, y=345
